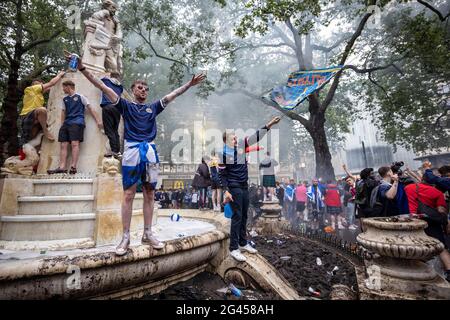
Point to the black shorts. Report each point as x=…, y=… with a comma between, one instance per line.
x=333, y=210
x=71, y=132
x=300, y=206
x=215, y=186
x=436, y=230
x=26, y=124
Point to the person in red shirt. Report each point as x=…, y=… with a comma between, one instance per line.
x=334, y=205
x=300, y=196
x=433, y=198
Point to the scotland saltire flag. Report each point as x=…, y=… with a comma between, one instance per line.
x=300, y=85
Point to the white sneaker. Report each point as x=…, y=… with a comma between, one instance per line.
x=122, y=248
x=248, y=248
x=353, y=227
x=340, y=226
x=238, y=255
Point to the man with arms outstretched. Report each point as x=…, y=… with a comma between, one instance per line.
x=140, y=159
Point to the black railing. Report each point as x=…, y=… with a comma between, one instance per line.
x=351, y=249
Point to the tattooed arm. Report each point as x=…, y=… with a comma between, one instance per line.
x=196, y=79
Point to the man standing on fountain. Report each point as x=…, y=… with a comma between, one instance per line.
x=233, y=173
x=140, y=159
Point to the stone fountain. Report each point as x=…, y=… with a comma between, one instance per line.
x=397, y=268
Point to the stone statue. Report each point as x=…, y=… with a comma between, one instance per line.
x=25, y=166
x=102, y=47
x=110, y=166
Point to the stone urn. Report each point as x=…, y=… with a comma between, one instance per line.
x=271, y=209
x=402, y=247
x=271, y=221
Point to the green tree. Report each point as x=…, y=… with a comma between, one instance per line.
x=296, y=26
x=410, y=101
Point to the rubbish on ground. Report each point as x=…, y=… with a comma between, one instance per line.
x=318, y=261
x=175, y=217
x=43, y=251
x=279, y=242
x=253, y=233
x=269, y=241
x=235, y=291
x=314, y=292
x=223, y=290
x=285, y=258
x=335, y=269
x=252, y=243
x=180, y=235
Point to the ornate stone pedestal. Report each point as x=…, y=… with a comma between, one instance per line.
x=271, y=221
x=398, y=269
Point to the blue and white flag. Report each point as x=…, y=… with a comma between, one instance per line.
x=300, y=85
x=140, y=162
x=315, y=196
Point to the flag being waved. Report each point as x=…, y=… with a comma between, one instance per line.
x=300, y=85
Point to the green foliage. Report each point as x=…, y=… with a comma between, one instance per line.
x=37, y=21
x=412, y=110
x=182, y=33
x=264, y=13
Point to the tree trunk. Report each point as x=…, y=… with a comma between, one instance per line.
x=324, y=167
x=9, y=142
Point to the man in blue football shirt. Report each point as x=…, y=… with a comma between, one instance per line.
x=140, y=159
x=72, y=129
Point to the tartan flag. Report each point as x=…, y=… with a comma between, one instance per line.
x=300, y=85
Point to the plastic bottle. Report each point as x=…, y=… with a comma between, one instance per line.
x=228, y=211
x=73, y=63
x=335, y=269
x=235, y=291
x=314, y=292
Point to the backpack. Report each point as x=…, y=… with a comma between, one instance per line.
x=364, y=190
x=364, y=194
x=376, y=207
x=265, y=165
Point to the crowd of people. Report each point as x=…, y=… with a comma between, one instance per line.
x=339, y=204
x=388, y=192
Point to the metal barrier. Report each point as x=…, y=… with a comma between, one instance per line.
x=351, y=249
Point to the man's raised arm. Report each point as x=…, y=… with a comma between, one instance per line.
x=109, y=93
x=196, y=79
x=51, y=83
x=258, y=135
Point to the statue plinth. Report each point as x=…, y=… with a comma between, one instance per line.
x=401, y=247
